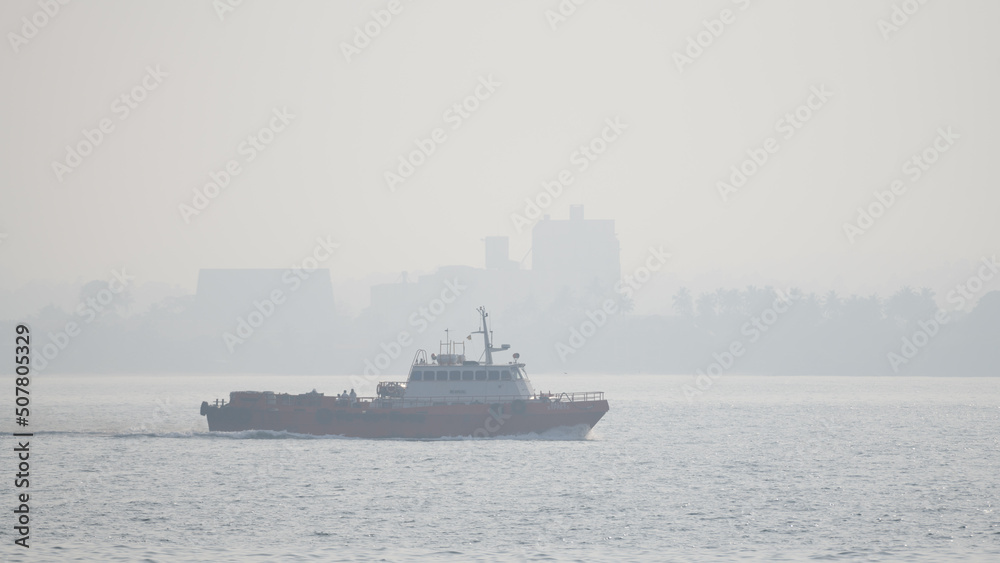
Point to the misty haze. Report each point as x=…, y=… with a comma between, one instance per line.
x=555, y=280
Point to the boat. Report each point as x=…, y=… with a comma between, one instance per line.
x=444, y=396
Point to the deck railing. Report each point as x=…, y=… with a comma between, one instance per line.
x=378, y=402
x=578, y=396
x=480, y=399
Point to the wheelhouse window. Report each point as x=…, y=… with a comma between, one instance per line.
x=442, y=376
x=480, y=375
x=415, y=376
x=505, y=375
x=518, y=374
x=494, y=375
x=455, y=375
x=467, y=375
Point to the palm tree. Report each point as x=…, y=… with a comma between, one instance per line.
x=683, y=304
x=901, y=306
x=94, y=290
x=833, y=305
x=863, y=311
x=730, y=302
x=707, y=305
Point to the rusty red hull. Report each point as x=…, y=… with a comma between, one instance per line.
x=369, y=419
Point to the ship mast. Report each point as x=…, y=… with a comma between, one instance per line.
x=486, y=336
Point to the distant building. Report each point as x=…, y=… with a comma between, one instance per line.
x=225, y=295
x=498, y=254
x=578, y=253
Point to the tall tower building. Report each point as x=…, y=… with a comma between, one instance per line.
x=577, y=253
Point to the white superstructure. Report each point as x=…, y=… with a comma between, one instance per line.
x=448, y=375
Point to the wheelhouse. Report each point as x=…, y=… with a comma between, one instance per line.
x=512, y=372
x=449, y=374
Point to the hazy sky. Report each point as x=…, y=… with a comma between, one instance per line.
x=212, y=81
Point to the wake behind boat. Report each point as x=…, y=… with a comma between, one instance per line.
x=446, y=396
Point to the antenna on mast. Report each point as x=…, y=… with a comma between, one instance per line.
x=488, y=336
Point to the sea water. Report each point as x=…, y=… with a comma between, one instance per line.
x=123, y=468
